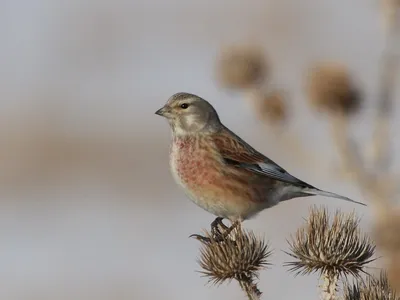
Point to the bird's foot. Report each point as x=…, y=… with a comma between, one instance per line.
x=199, y=237
x=219, y=232
x=218, y=227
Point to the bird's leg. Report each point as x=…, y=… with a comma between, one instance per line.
x=228, y=230
x=217, y=226
x=219, y=231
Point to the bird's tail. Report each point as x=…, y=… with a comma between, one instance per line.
x=315, y=191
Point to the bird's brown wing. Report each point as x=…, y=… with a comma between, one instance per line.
x=237, y=152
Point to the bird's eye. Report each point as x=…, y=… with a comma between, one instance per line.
x=184, y=105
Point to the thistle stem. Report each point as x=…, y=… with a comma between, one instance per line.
x=329, y=285
x=250, y=288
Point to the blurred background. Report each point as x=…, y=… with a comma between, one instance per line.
x=88, y=208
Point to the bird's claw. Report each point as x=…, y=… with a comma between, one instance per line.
x=200, y=238
x=208, y=240
x=219, y=232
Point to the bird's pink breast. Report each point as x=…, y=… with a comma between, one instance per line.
x=193, y=163
x=223, y=190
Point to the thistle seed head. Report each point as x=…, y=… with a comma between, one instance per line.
x=388, y=240
x=241, y=67
x=330, y=247
x=372, y=289
x=331, y=89
x=240, y=257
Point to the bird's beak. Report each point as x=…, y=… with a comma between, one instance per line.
x=163, y=111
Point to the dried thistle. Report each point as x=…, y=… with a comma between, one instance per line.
x=372, y=289
x=240, y=256
x=241, y=67
x=326, y=246
x=352, y=292
x=387, y=235
x=331, y=89
x=273, y=108
x=333, y=249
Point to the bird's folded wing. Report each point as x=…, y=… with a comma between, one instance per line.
x=237, y=152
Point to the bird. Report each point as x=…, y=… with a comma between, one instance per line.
x=219, y=171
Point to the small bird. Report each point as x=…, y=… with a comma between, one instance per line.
x=219, y=171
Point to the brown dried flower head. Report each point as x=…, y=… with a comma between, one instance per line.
x=388, y=239
x=241, y=67
x=240, y=257
x=372, y=289
x=273, y=107
x=331, y=89
x=335, y=247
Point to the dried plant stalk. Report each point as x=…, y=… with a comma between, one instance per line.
x=352, y=160
x=377, y=190
x=251, y=290
x=390, y=11
x=272, y=108
x=329, y=285
x=380, y=142
x=379, y=154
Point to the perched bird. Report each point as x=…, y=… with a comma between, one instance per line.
x=218, y=170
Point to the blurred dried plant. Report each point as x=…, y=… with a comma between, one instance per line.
x=388, y=239
x=239, y=256
x=336, y=249
x=371, y=172
x=333, y=249
x=387, y=223
x=374, y=180
x=331, y=88
x=389, y=13
x=272, y=108
x=372, y=289
x=241, y=67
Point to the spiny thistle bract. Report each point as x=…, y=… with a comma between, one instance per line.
x=239, y=256
x=388, y=240
x=335, y=247
x=372, y=289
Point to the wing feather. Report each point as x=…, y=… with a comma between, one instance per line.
x=237, y=152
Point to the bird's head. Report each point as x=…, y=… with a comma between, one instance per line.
x=188, y=114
